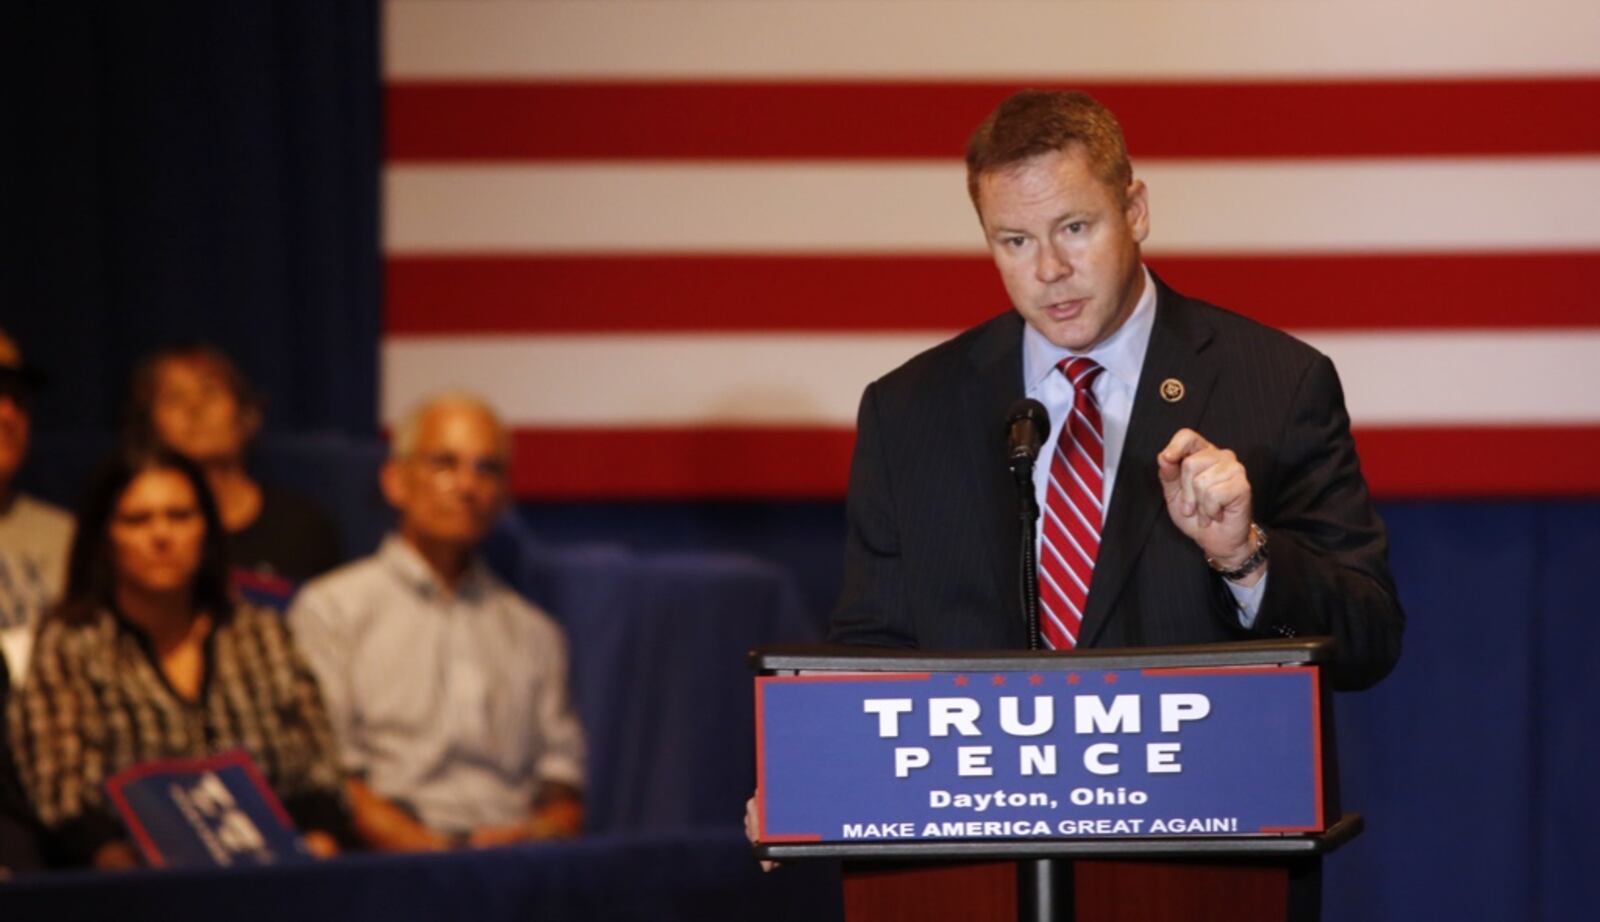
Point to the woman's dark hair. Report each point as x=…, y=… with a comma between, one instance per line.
x=91, y=569
x=138, y=426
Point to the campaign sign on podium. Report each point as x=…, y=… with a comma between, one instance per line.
x=1040, y=753
x=209, y=812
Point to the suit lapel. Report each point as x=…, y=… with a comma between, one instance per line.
x=1177, y=342
x=994, y=384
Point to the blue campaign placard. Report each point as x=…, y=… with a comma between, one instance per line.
x=209, y=812
x=1047, y=754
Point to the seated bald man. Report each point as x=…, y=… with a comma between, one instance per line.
x=447, y=690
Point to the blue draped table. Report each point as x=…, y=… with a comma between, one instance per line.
x=703, y=876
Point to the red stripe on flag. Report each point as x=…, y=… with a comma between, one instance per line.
x=430, y=121
x=616, y=463
x=622, y=293
x=1481, y=461
x=804, y=463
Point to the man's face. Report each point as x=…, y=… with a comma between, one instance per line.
x=195, y=413
x=15, y=424
x=1066, y=245
x=451, y=487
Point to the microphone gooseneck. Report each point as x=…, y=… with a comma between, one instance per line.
x=1027, y=426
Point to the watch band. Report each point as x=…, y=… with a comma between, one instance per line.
x=1251, y=564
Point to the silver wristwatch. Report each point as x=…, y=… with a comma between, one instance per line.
x=1251, y=564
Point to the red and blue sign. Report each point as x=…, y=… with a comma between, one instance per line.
x=207, y=812
x=1079, y=753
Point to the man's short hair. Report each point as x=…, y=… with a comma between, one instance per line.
x=1034, y=122
x=403, y=438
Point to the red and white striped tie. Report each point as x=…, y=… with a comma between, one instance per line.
x=1070, y=539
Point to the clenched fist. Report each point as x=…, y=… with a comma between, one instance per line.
x=1207, y=493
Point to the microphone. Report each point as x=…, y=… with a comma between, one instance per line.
x=1027, y=426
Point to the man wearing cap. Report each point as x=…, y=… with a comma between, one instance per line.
x=34, y=535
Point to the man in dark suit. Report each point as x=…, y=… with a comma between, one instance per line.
x=1199, y=483
x=1224, y=497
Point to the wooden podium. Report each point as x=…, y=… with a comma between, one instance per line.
x=1250, y=875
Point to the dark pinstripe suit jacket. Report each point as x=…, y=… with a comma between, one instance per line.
x=932, y=552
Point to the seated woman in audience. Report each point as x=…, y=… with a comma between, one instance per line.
x=194, y=400
x=149, y=658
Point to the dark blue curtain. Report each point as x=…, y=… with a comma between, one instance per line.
x=194, y=171
x=1474, y=761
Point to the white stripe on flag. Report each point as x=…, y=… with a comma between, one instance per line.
x=1446, y=204
x=770, y=379
x=892, y=39
x=1390, y=378
x=1511, y=377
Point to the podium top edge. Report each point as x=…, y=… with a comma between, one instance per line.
x=1314, y=651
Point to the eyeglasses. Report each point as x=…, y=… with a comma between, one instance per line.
x=448, y=463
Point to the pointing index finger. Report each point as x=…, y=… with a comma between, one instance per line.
x=1184, y=443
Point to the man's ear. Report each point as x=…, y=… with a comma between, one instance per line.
x=392, y=479
x=1138, y=209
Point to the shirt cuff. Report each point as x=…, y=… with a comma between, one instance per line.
x=1248, y=599
x=562, y=770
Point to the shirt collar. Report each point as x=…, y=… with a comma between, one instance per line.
x=407, y=563
x=1121, y=355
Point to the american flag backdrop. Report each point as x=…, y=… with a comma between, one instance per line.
x=672, y=241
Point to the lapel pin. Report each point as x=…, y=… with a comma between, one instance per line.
x=1172, y=390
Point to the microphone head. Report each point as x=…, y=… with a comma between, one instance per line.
x=1027, y=426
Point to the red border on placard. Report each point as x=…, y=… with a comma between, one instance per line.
x=862, y=677
x=232, y=758
x=1316, y=731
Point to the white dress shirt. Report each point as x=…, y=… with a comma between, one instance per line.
x=1122, y=356
x=454, y=703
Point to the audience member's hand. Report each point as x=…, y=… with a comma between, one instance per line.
x=116, y=856
x=507, y=834
x=752, y=827
x=560, y=818
x=321, y=844
x=387, y=827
